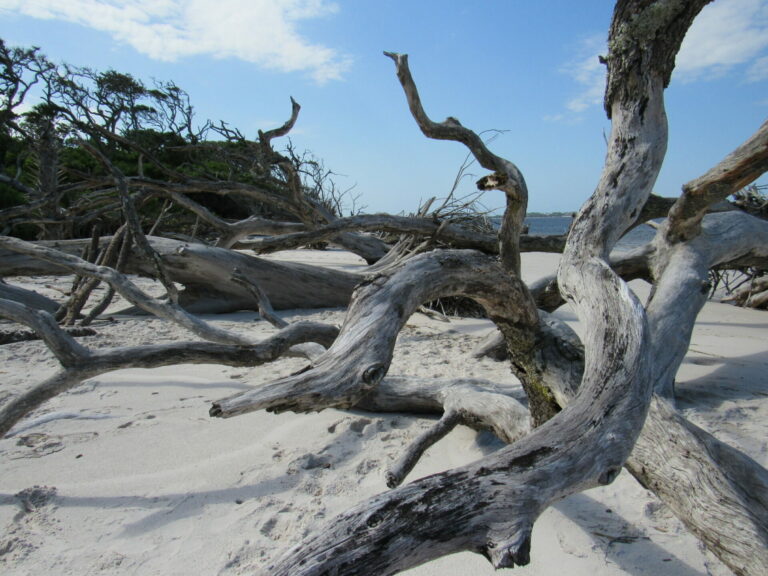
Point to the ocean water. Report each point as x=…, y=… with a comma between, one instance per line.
x=549, y=225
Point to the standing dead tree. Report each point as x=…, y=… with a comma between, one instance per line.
x=596, y=403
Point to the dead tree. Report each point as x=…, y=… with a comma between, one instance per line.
x=596, y=404
x=490, y=506
x=205, y=272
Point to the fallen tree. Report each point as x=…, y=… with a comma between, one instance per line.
x=596, y=403
x=205, y=272
x=490, y=506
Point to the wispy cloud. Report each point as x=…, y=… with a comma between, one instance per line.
x=727, y=35
x=264, y=32
x=588, y=73
x=758, y=70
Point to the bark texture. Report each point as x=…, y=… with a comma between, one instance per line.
x=206, y=271
x=79, y=363
x=490, y=507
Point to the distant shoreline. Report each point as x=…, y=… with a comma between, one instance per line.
x=549, y=214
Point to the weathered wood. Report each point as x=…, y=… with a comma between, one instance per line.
x=606, y=388
x=27, y=297
x=720, y=494
x=450, y=233
x=753, y=294
x=490, y=506
x=67, y=351
x=479, y=404
x=505, y=176
x=205, y=272
x=631, y=265
x=119, y=244
x=21, y=335
x=740, y=168
x=127, y=289
x=360, y=356
x=79, y=363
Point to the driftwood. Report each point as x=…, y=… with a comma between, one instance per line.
x=79, y=363
x=718, y=492
x=595, y=404
x=22, y=335
x=360, y=356
x=752, y=294
x=205, y=272
x=451, y=234
x=28, y=297
x=388, y=533
x=585, y=444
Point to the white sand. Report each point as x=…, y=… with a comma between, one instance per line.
x=133, y=477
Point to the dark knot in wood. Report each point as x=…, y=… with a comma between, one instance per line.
x=609, y=476
x=374, y=373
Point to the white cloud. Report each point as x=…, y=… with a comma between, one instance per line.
x=758, y=70
x=260, y=31
x=589, y=74
x=727, y=34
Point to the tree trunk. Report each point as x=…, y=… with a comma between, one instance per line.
x=206, y=271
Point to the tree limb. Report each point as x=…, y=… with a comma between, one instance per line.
x=127, y=289
x=490, y=506
x=360, y=356
x=205, y=272
x=80, y=363
x=506, y=176
x=740, y=168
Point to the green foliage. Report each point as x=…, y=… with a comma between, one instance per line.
x=10, y=197
x=11, y=153
x=89, y=123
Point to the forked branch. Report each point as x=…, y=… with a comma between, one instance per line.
x=79, y=363
x=505, y=177
x=361, y=355
x=740, y=168
x=490, y=506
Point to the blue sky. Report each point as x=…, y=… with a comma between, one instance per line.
x=527, y=67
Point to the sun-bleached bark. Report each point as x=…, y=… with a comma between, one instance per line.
x=623, y=369
x=505, y=176
x=498, y=499
x=360, y=356
x=127, y=289
x=205, y=272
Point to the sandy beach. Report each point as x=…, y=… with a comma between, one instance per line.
x=127, y=473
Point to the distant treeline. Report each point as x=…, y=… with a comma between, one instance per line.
x=549, y=214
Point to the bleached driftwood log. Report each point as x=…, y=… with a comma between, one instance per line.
x=624, y=370
x=205, y=272
x=719, y=493
x=28, y=297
